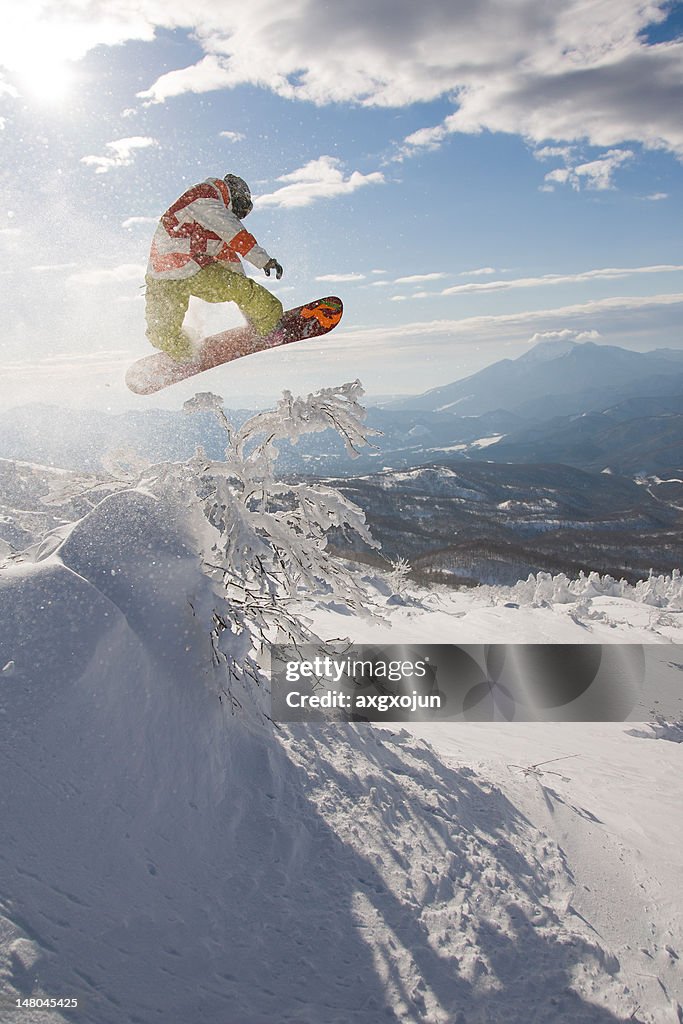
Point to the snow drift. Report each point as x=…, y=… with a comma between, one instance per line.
x=167, y=859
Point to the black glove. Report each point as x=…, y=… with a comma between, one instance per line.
x=273, y=265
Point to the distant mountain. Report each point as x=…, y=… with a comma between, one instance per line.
x=487, y=522
x=586, y=405
x=556, y=378
x=632, y=438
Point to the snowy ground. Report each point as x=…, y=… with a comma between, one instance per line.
x=604, y=793
x=166, y=859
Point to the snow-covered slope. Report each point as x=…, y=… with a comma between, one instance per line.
x=604, y=793
x=167, y=856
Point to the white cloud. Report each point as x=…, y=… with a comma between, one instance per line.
x=378, y=271
x=340, y=277
x=232, y=136
x=409, y=279
x=416, y=278
x=655, y=197
x=553, y=153
x=46, y=268
x=318, y=179
x=563, y=72
x=598, y=173
x=122, y=153
x=568, y=72
x=605, y=274
x=564, y=335
x=595, y=174
x=209, y=73
x=134, y=222
x=560, y=176
x=478, y=272
x=59, y=31
x=627, y=315
x=109, y=275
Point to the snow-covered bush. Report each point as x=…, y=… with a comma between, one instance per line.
x=399, y=577
x=543, y=588
x=660, y=729
x=263, y=541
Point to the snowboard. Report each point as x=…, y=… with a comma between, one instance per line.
x=157, y=371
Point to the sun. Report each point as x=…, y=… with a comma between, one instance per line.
x=43, y=75
x=48, y=81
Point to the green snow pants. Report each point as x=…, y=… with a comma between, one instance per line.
x=167, y=302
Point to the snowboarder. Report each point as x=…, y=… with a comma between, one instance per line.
x=196, y=250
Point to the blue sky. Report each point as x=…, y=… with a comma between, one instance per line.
x=469, y=178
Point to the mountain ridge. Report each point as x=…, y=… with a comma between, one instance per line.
x=520, y=384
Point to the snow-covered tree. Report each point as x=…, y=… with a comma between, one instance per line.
x=264, y=541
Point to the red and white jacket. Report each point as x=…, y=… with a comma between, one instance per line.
x=199, y=229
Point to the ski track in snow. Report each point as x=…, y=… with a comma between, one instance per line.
x=166, y=860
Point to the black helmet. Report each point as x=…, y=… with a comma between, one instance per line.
x=240, y=196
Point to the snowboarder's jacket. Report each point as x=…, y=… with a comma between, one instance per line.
x=198, y=230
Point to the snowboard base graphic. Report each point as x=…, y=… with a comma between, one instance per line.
x=157, y=371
